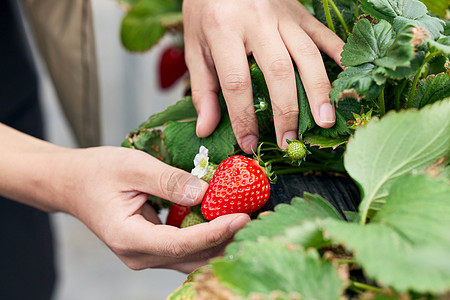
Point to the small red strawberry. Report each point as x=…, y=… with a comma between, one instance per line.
x=171, y=66
x=177, y=214
x=239, y=185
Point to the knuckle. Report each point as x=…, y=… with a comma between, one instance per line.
x=168, y=181
x=308, y=48
x=176, y=249
x=321, y=87
x=214, y=238
x=242, y=125
x=288, y=112
x=236, y=82
x=281, y=68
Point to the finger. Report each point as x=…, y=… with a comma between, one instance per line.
x=230, y=58
x=152, y=176
x=312, y=72
x=204, y=88
x=149, y=214
x=275, y=62
x=188, y=243
x=325, y=39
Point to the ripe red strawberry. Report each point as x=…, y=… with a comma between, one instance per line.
x=177, y=214
x=171, y=66
x=239, y=185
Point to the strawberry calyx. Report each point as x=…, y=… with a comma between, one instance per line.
x=265, y=166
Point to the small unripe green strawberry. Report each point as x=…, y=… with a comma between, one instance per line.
x=296, y=150
x=209, y=172
x=192, y=219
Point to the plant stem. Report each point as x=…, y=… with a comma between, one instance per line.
x=347, y=261
x=364, y=286
x=340, y=17
x=328, y=15
x=356, y=9
x=399, y=94
x=412, y=93
x=291, y=170
x=270, y=149
x=381, y=103
x=275, y=160
x=270, y=144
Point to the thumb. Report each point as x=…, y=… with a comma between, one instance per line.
x=178, y=186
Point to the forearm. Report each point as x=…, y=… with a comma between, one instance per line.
x=29, y=169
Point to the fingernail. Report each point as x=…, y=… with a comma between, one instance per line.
x=326, y=113
x=249, y=143
x=199, y=124
x=193, y=190
x=289, y=135
x=238, y=223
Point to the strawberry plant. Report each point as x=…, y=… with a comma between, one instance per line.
x=391, y=138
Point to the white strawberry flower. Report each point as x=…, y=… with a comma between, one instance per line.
x=201, y=162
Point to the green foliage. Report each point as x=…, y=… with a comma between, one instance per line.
x=406, y=244
x=183, y=143
x=404, y=247
x=398, y=240
x=397, y=144
x=143, y=25
x=399, y=13
x=308, y=208
x=182, y=110
x=432, y=89
x=264, y=267
x=438, y=7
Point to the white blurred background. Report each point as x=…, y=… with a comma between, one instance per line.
x=129, y=95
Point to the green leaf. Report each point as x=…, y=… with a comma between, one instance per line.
x=356, y=82
x=437, y=6
x=182, y=110
x=401, y=12
x=406, y=244
x=339, y=128
x=149, y=141
x=432, y=89
x=305, y=118
x=400, y=52
x=367, y=42
x=141, y=27
x=323, y=142
x=308, y=208
x=397, y=144
x=260, y=87
x=265, y=267
x=418, y=207
x=184, y=292
x=260, y=91
x=441, y=45
x=183, y=143
x=405, y=71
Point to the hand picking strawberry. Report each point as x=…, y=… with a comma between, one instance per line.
x=239, y=185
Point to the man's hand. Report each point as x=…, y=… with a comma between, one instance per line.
x=111, y=200
x=107, y=189
x=219, y=35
